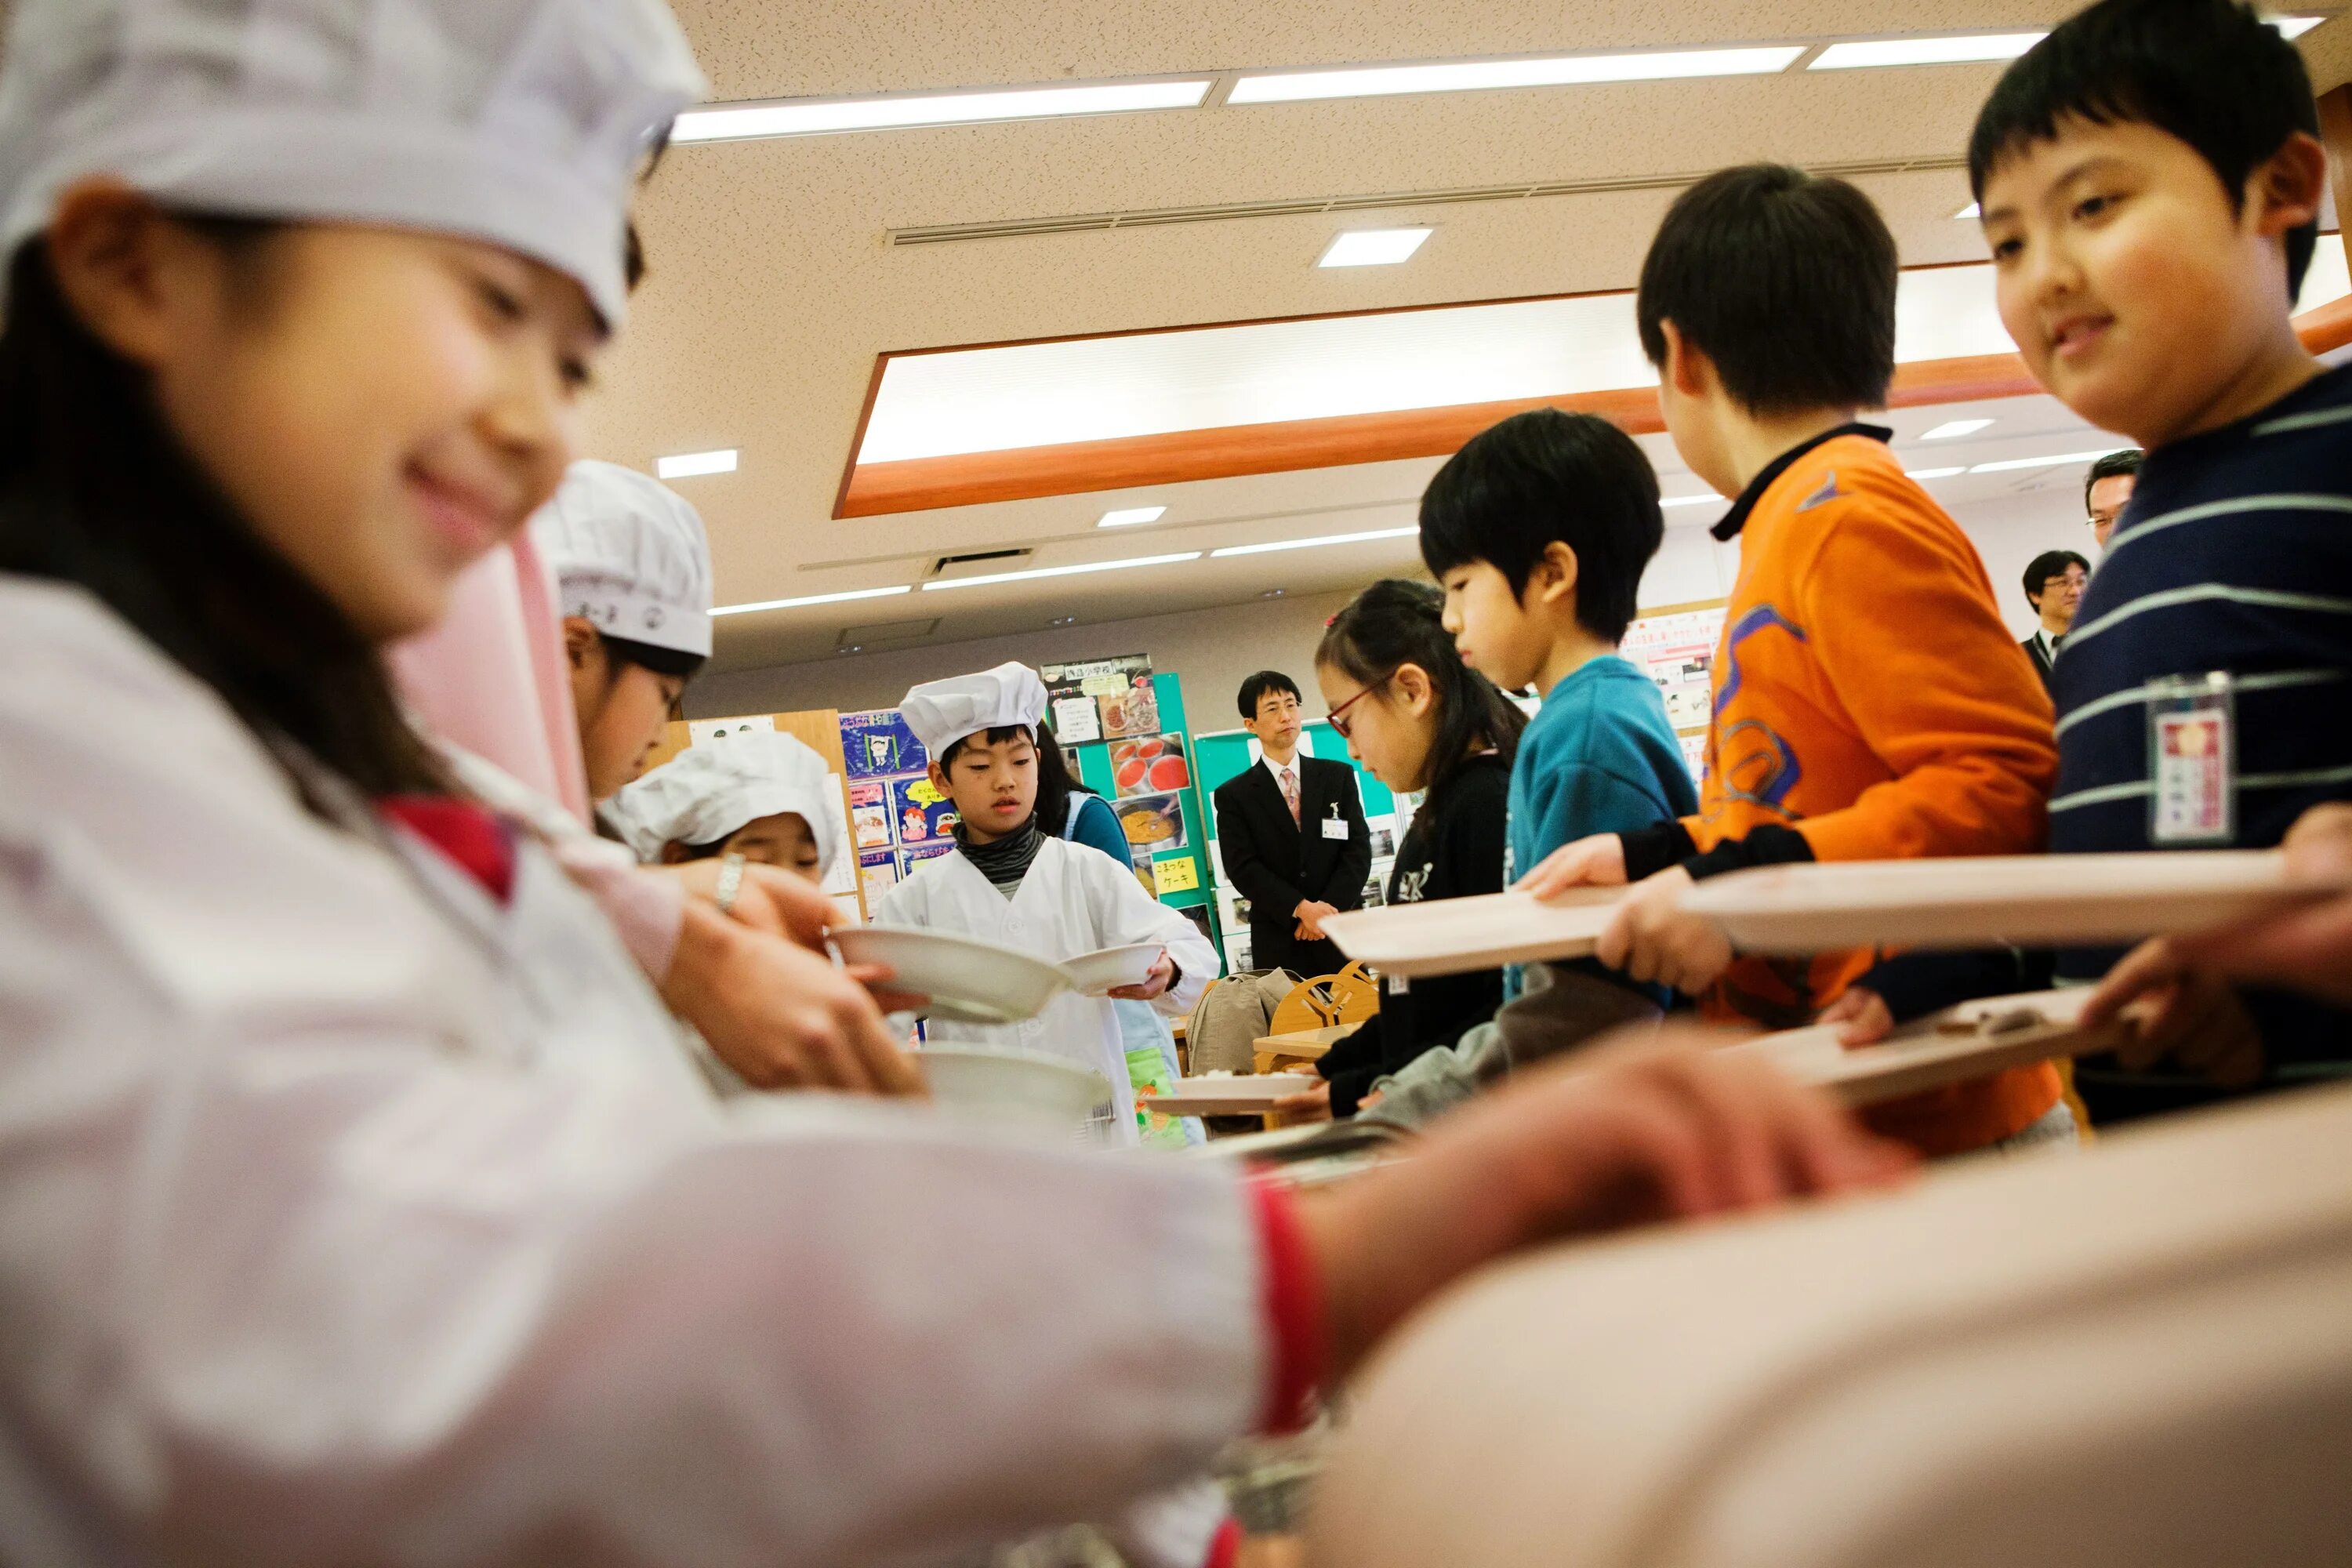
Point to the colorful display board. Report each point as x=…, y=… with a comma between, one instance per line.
x=1676, y=645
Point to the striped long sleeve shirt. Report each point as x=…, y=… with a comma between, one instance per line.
x=2235, y=555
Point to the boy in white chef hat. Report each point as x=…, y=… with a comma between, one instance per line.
x=762, y=795
x=1009, y=882
x=632, y=566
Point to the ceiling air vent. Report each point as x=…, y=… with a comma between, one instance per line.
x=963, y=565
x=885, y=634
x=1077, y=223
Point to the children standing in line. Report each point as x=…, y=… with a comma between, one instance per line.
x=2151, y=179
x=1869, y=703
x=1421, y=721
x=1009, y=881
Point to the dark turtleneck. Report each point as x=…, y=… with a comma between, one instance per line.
x=1006, y=860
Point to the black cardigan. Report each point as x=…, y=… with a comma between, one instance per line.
x=1451, y=852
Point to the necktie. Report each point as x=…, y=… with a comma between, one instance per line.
x=1290, y=794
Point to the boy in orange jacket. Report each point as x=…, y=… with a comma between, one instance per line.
x=1869, y=704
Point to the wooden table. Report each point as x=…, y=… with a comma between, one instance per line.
x=1299, y=1045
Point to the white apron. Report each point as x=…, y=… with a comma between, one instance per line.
x=1073, y=901
x=347, y=1215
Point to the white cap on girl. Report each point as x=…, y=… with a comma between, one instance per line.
x=520, y=123
x=629, y=554
x=707, y=791
x=941, y=712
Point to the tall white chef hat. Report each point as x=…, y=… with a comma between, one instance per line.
x=517, y=121
x=629, y=554
x=941, y=712
x=708, y=791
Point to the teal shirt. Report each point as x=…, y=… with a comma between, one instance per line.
x=1599, y=757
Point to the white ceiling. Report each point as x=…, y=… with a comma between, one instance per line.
x=773, y=288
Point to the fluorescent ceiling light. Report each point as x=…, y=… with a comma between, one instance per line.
x=1125, y=515
x=1316, y=542
x=687, y=464
x=1932, y=473
x=1035, y=571
x=1372, y=247
x=1974, y=209
x=727, y=123
x=1950, y=429
x=1688, y=501
x=841, y=598
x=1925, y=51
x=2007, y=464
x=1464, y=75
x=2296, y=26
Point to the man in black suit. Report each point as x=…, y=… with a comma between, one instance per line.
x=2054, y=587
x=1291, y=832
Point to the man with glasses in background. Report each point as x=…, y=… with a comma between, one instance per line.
x=2108, y=490
x=2054, y=587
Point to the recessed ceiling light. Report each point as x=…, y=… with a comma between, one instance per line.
x=730, y=122
x=1689, y=500
x=1973, y=48
x=1372, y=247
x=2296, y=26
x=1060, y=571
x=1554, y=70
x=1974, y=209
x=1316, y=542
x=1933, y=473
x=1125, y=515
x=2007, y=464
x=687, y=464
x=841, y=598
x=1951, y=429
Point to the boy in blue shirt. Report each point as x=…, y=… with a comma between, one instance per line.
x=2151, y=178
x=1539, y=529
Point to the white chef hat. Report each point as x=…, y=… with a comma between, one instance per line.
x=629, y=554
x=520, y=123
x=708, y=791
x=941, y=712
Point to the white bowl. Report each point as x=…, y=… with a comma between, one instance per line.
x=969, y=981
x=1098, y=972
x=1013, y=1086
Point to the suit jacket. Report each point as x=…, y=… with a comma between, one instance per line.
x=1276, y=863
x=2043, y=666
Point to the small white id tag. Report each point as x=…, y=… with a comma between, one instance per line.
x=1334, y=828
x=2192, y=759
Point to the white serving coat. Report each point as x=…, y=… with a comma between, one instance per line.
x=349, y=1217
x=1073, y=901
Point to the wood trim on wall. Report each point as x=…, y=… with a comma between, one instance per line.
x=1078, y=467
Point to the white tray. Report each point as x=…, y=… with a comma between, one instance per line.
x=968, y=981
x=2033, y=901
x=1450, y=936
x=1971, y=1040
x=1245, y=1095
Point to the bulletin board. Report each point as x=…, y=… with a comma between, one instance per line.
x=1675, y=644
x=1152, y=787
x=820, y=728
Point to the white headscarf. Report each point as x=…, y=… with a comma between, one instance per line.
x=941, y=712
x=709, y=791
x=630, y=554
x=520, y=123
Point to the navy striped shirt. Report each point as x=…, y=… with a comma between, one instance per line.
x=2235, y=555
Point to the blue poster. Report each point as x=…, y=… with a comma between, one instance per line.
x=921, y=815
x=879, y=743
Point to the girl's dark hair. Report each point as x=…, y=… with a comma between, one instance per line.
x=96, y=490
x=1395, y=623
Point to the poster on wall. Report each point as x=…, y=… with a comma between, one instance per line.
x=869, y=814
x=1154, y=764
x=1677, y=651
x=1119, y=689
x=878, y=743
x=1154, y=823
x=878, y=873
x=923, y=815
x=915, y=854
